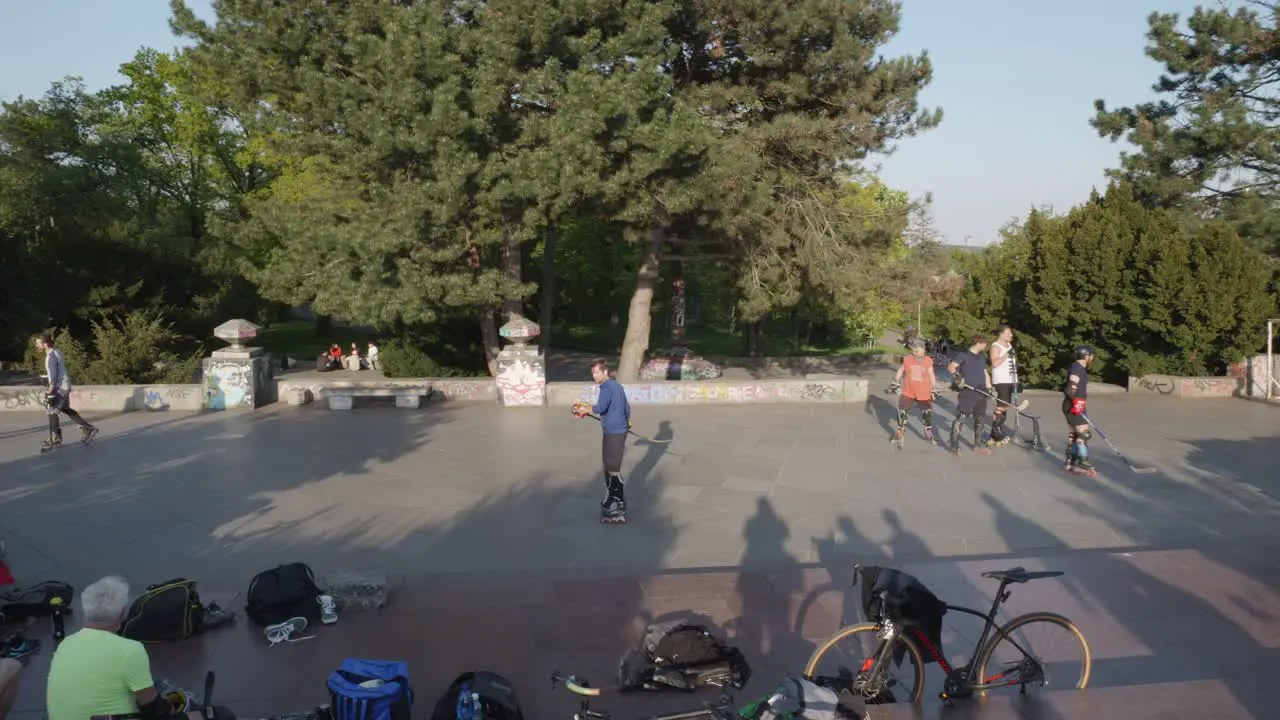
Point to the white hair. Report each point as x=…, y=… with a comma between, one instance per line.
x=104, y=602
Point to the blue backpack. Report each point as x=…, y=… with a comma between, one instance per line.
x=370, y=690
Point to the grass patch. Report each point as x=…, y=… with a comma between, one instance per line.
x=603, y=339
x=297, y=339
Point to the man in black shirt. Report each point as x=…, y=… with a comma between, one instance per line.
x=1075, y=394
x=971, y=367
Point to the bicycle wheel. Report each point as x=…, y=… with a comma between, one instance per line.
x=1015, y=658
x=855, y=648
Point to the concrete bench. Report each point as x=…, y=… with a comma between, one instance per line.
x=407, y=396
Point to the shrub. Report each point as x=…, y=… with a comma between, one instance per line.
x=400, y=359
x=137, y=350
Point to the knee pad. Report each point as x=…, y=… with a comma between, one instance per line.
x=1084, y=435
x=902, y=418
x=927, y=417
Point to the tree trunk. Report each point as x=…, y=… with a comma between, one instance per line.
x=548, y=289
x=510, y=262
x=324, y=326
x=636, y=341
x=489, y=335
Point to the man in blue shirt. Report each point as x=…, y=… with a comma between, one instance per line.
x=971, y=367
x=615, y=420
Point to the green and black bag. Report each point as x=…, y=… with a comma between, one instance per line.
x=166, y=612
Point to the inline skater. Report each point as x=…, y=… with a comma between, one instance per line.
x=615, y=420
x=915, y=382
x=58, y=396
x=1075, y=393
x=969, y=371
x=1004, y=378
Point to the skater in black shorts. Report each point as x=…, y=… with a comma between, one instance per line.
x=614, y=412
x=971, y=367
x=1075, y=393
x=1004, y=377
x=58, y=396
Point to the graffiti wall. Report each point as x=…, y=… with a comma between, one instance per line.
x=522, y=378
x=107, y=398
x=228, y=384
x=1187, y=387
x=301, y=392
x=720, y=393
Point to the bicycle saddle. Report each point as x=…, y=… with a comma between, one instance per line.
x=1019, y=575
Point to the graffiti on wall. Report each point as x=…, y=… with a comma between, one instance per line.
x=228, y=385
x=730, y=393
x=522, y=381
x=26, y=398
x=1156, y=383
x=1210, y=386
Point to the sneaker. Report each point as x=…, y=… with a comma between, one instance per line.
x=328, y=610
x=19, y=647
x=285, y=631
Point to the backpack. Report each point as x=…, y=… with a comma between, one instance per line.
x=799, y=699
x=36, y=601
x=481, y=695
x=284, y=592
x=917, y=608
x=370, y=690
x=167, y=611
x=682, y=655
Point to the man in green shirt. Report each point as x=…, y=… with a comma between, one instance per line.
x=95, y=671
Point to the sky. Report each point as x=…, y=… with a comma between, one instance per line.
x=1016, y=80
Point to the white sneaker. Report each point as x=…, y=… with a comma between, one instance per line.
x=285, y=631
x=328, y=610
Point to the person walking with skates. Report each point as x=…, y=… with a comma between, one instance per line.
x=1075, y=393
x=969, y=371
x=614, y=412
x=58, y=396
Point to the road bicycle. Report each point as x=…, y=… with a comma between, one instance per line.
x=999, y=659
x=722, y=709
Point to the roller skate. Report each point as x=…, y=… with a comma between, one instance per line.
x=48, y=446
x=613, y=509
x=928, y=435
x=613, y=512
x=1082, y=467
x=87, y=434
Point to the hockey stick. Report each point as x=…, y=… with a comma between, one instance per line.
x=1134, y=468
x=633, y=432
x=1019, y=407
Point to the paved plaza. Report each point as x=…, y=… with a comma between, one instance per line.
x=750, y=518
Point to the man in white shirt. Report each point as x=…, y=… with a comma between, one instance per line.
x=58, y=396
x=1004, y=379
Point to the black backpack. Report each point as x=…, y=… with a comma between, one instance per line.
x=494, y=698
x=282, y=593
x=166, y=612
x=684, y=656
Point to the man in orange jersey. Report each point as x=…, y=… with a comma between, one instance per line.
x=915, y=381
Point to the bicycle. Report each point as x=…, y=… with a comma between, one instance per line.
x=722, y=709
x=894, y=636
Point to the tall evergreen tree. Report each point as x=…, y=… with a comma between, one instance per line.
x=1211, y=141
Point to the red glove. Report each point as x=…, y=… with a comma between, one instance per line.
x=580, y=409
x=1077, y=406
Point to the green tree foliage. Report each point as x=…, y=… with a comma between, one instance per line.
x=103, y=204
x=140, y=348
x=1152, y=294
x=1211, y=142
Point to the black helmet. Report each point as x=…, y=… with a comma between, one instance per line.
x=1083, y=351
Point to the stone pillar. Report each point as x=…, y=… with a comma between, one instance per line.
x=238, y=377
x=522, y=370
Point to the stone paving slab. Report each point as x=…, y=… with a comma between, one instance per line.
x=743, y=513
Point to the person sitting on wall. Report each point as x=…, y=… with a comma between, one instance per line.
x=352, y=361
x=371, y=357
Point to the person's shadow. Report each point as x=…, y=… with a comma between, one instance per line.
x=763, y=627
x=904, y=545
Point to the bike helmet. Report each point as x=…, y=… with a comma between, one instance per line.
x=1083, y=351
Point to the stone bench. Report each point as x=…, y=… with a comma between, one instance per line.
x=407, y=396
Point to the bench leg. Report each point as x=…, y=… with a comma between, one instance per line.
x=339, y=402
x=412, y=402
